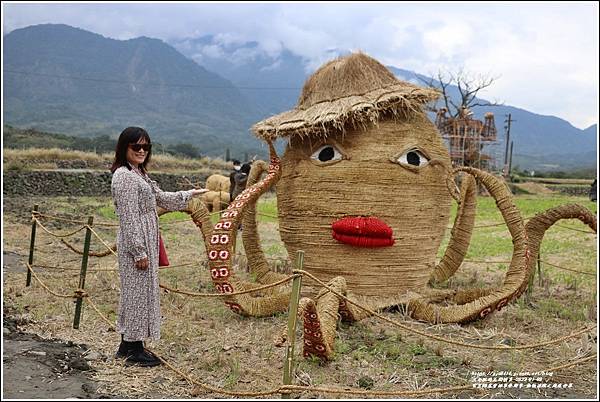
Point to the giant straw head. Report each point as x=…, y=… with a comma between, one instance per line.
x=363, y=189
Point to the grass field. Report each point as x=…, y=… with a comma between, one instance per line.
x=44, y=158
x=212, y=344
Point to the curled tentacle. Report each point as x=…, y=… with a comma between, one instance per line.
x=460, y=237
x=259, y=267
x=221, y=248
x=201, y=217
x=320, y=320
x=480, y=303
x=538, y=225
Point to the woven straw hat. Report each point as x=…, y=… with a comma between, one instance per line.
x=354, y=89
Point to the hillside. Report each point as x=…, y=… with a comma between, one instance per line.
x=62, y=79
x=272, y=82
x=540, y=142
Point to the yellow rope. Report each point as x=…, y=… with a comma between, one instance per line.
x=241, y=292
x=575, y=363
x=54, y=234
x=575, y=229
x=568, y=269
x=91, y=253
x=77, y=293
x=180, y=265
x=525, y=219
x=93, y=305
x=300, y=388
x=101, y=240
x=543, y=261
x=439, y=338
x=75, y=269
x=72, y=220
x=176, y=221
x=290, y=388
x=284, y=389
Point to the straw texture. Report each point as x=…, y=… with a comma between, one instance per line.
x=481, y=303
x=462, y=230
x=349, y=92
x=368, y=182
x=218, y=182
x=215, y=200
x=364, y=189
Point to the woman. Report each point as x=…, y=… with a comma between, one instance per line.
x=135, y=197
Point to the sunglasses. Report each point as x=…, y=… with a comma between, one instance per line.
x=137, y=147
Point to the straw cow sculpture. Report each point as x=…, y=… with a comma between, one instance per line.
x=218, y=182
x=365, y=188
x=218, y=197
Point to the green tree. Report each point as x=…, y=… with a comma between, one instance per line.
x=184, y=148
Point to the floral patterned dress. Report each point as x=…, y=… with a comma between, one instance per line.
x=135, y=197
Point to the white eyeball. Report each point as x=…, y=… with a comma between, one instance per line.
x=326, y=153
x=413, y=157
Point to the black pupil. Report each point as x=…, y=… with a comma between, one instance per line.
x=326, y=154
x=413, y=158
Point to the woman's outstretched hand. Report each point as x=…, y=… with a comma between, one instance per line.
x=198, y=191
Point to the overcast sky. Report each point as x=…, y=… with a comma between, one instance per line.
x=545, y=55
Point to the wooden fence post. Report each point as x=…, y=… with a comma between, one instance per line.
x=288, y=364
x=84, y=262
x=539, y=268
x=31, y=244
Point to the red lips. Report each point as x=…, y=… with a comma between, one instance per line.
x=363, y=232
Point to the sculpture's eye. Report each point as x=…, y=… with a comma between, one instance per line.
x=326, y=153
x=413, y=157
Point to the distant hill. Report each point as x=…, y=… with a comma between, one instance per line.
x=174, y=94
x=539, y=141
x=62, y=79
x=271, y=81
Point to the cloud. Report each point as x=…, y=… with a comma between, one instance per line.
x=546, y=54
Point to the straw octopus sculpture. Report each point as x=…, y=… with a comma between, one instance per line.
x=364, y=188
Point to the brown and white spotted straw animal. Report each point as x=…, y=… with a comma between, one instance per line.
x=364, y=188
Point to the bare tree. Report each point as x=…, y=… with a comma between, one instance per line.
x=468, y=86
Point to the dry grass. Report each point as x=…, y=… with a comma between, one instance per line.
x=210, y=343
x=42, y=158
x=559, y=181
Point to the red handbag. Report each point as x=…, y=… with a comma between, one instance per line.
x=163, y=260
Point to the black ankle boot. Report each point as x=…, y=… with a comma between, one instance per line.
x=141, y=357
x=125, y=349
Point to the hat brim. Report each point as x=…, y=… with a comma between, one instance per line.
x=334, y=115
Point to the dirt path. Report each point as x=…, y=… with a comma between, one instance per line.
x=36, y=368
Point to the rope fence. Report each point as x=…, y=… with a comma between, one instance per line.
x=526, y=219
x=79, y=294
x=543, y=261
x=436, y=337
x=110, y=224
x=287, y=389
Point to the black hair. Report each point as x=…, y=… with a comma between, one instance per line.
x=130, y=135
x=246, y=168
x=236, y=162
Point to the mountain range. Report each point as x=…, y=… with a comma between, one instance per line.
x=206, y=91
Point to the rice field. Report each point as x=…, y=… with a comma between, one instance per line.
x=209, y=343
